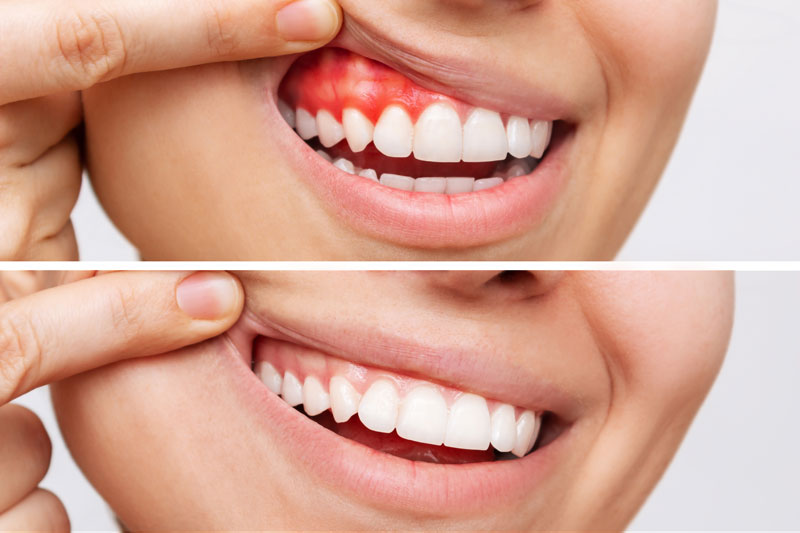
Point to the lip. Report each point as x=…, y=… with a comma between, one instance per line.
x=379, y=479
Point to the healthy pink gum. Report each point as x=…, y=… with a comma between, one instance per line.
x=304, y=362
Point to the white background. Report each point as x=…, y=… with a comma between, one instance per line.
x=732, y=188
x=738, y=468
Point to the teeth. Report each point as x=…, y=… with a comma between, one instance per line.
x=519, y=137
x=378, y=408
x=459, y=185
x=485, y=137
x=306, y=124
x=369, y=174
x=487, y=183
x=344, y=164
x=329, y=130
x=291, y=390
x=287, y=113
x=423, y=416
x=315, y=399
x=324, y=155
x=541, y=133
x=394, y=132
x=344, y=399
x=438, y=135
x=517, y=169
x=269, y=376
x=396, y=181
x=527, y=431
x=469, y=426
x=504, y=428
x=430, y=185
x=357, y=129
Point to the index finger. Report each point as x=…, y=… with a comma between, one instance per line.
x=73, y=328
x=52, y=46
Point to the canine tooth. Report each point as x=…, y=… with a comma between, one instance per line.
x=423, y=416
x=469, y=426
x=459, y=185
x=396, y=181
x=306, y=124
x=504, y=428
x=269, y=376
x=315, y=399
x=357, y=129
x=541, y=133
x=485, y=137
x=369, y=174
x=394, y=132
x=329, y=130
x=378, y=408
x=324, y=155
x=430, y=185
x=344, y=164
x=487, y=183
x=437, y=135
x=518, y=131
x=344, y=399
x=527, y=431
x=287, y=113
x=291, y=390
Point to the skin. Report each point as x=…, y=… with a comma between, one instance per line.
x=194, y=143
x=170, y=444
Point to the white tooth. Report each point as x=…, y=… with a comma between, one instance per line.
x=423, y=416
x=504, y=428
x=396, y=181
x=344, y=164
x=269, y=376
x=324, y=155
x=469, y=426
x=459, y=185
x=369, y=174
x=315, y=399
x=306, y=124
x=291, y=390
x=518, y=168
x=541, y=133
x=394, y=133
x=519, y=137
x=487, y=183
x=437, y=135
x=357, y=128
x=378, y=408
x=485, y=137
x=287, y=113
x=344, y=399
x=527, y=431
x=330, y=131
x=430, y=185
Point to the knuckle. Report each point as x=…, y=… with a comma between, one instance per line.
x=16, y=223
x=124, y=311
x=20, y=353
x=90, y=47
x=30, y=429
x=223, y=39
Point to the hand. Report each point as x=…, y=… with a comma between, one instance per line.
x=73, y=328
x=51, y=49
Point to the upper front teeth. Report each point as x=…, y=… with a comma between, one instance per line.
x=438, y=135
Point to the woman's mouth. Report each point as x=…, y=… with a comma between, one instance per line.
x=414, y=166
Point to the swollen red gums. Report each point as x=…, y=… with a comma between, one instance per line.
x=334, y=79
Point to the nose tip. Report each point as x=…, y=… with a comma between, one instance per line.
x=496, y=284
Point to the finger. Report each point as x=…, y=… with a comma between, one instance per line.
x=70, y=329
x=41, y=510
x=30, y=128
x=55, y=46
x=62, y=246
x=24, y=453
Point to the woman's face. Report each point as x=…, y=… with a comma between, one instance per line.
x=206, y=152
x=611, y=367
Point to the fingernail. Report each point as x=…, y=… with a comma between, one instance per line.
x=208, y=295
x=307, y=20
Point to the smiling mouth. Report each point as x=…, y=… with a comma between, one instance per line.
x=407, y=417
x=369, y=120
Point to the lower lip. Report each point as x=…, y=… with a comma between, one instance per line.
x=385, y=481
x=424, y=220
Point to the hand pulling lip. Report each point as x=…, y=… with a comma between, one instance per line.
x=456, y=365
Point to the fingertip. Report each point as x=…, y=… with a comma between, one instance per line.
x=211, y=296
x=309, y=20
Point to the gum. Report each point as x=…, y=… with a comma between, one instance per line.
x=334, y=79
